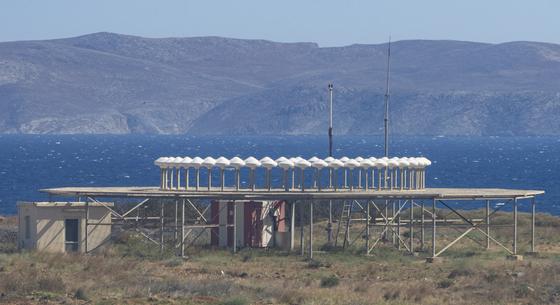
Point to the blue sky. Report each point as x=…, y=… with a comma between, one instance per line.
x=329, y=23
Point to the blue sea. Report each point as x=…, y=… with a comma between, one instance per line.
x=32, y=162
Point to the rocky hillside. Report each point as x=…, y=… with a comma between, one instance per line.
x=110, y=83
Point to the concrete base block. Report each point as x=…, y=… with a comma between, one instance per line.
x=434, y=260
x=515, y=257
x=411, y=254
x=532, y=254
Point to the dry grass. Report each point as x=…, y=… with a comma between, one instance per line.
x=132, y=273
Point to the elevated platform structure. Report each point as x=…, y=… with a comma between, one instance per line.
x=385, y=215
x=280, y=194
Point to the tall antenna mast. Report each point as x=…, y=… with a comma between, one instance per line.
x=386, y=119
x=330, y=120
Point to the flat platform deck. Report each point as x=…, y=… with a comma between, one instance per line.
x=311, y=194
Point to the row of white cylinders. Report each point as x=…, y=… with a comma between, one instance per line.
x=392, y=173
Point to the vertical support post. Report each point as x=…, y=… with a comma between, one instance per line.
x=398, y=239
x=411, y=227
x=86, y=233
x=533, y=213
x=433, y=228
x=329, y=225
x=162, y=221
x=234, y=226
x=175, y=228
x=178, y=173
x=162, y=180
x=209, y=173
x=487, y=224
x=386, y=217
x=422, y=229
x=311, y=229
x=186, y=178
x=301, y=227
x=514, y=226
x=368, y=216
x=183, y=229
x=292, y=225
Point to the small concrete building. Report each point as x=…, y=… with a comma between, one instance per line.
x=60, y=226
x=259, y=224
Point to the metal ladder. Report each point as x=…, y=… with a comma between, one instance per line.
x=345, y=217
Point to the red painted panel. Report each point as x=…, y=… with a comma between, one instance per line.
x=253, y=224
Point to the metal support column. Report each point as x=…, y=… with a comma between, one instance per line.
x=398, y=234
x=301, y=227
x=422, y=229
x=183, y=229
x=487, y=224
x=411, y=227
x=433, y=228
x=162, y=221
x=86, y=233
x=234, y=226
x=368, y=218
x=176, y=228
x=311, y=229
x=533, y=213
x=514, y=226
x=292, y=225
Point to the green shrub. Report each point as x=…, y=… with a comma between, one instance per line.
x=329, y=281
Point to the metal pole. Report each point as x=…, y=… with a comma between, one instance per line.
x=183, y=229
x=292, y=226
x=161, y=219
x=178, y=173
x=187, y=178
x=433, y=228
x=386, y=118
x=411, y=227
x=422, y=222
x=209, y=172
x=311, y=229
x=329, y=225
x=86, y=234
x=302, y=180
x=367, y=224
x=162, y=180
x=533, y=212
x=234, y=226
x=487, y=224
x=515, y=226
x=175, y=229
x=330, y=119
x=222, y=179
x=398, y=239
x=301, y=227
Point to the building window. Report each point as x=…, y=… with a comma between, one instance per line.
x=27, y=223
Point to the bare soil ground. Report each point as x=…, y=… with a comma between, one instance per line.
x=131, y=271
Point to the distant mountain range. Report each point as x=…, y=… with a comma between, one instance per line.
x=119, y=84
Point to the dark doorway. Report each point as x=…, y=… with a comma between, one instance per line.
x=71, y=235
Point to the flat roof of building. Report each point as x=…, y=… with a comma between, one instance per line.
x=311, y=194
x=65, y=204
